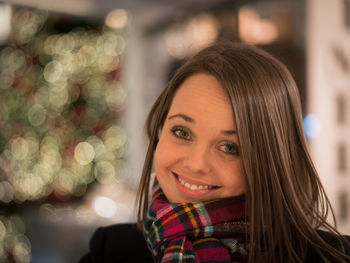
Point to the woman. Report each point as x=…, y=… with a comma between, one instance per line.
x=234, y=179
x=265, y=147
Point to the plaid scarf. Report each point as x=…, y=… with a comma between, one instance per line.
x=209, y=231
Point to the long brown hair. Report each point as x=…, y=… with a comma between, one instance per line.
x=284, y=196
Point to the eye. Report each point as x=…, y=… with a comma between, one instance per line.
x=181, y=132
x=229, y=148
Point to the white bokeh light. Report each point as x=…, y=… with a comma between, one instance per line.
x=104, y=207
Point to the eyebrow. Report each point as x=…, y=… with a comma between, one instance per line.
x=183, y=116
x=189, y=119
x=229, y=132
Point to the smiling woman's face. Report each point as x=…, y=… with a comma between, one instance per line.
x=197, y=156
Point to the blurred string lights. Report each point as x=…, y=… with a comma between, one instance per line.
x=14, y=245
x=60, y=100
x=5, y=25
x=61, y=97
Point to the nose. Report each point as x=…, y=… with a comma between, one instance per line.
x=198, y=159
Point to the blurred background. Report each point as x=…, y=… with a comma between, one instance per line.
x=77, y=79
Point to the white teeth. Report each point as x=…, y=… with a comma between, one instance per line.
x=193, y=186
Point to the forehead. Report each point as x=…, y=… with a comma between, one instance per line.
x=202, y=95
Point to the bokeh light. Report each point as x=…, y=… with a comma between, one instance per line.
x=117, y=18
x=36, y=115
x=104, y=207
x=254, y=29
x=84, y=153
x=182, y=40
x=312, y=126
x=13, y=241
x=60, y=98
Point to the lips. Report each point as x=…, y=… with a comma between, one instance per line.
x=194, y=186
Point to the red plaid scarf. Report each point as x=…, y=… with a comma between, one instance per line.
x=209, y=231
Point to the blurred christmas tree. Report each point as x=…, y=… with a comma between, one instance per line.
x=60, y=101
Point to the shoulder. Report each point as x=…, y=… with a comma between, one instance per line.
x=117, y=243
x=332, y=240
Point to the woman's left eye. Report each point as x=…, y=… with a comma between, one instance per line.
x=229, y=148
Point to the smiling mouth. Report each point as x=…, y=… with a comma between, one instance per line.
x=194, y=187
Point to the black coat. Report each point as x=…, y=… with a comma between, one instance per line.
x=124, y=243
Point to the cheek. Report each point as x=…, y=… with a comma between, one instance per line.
x=159, y=155
x=162, y=155
x=163, y=163
x=235, y=179
x=241, y=182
